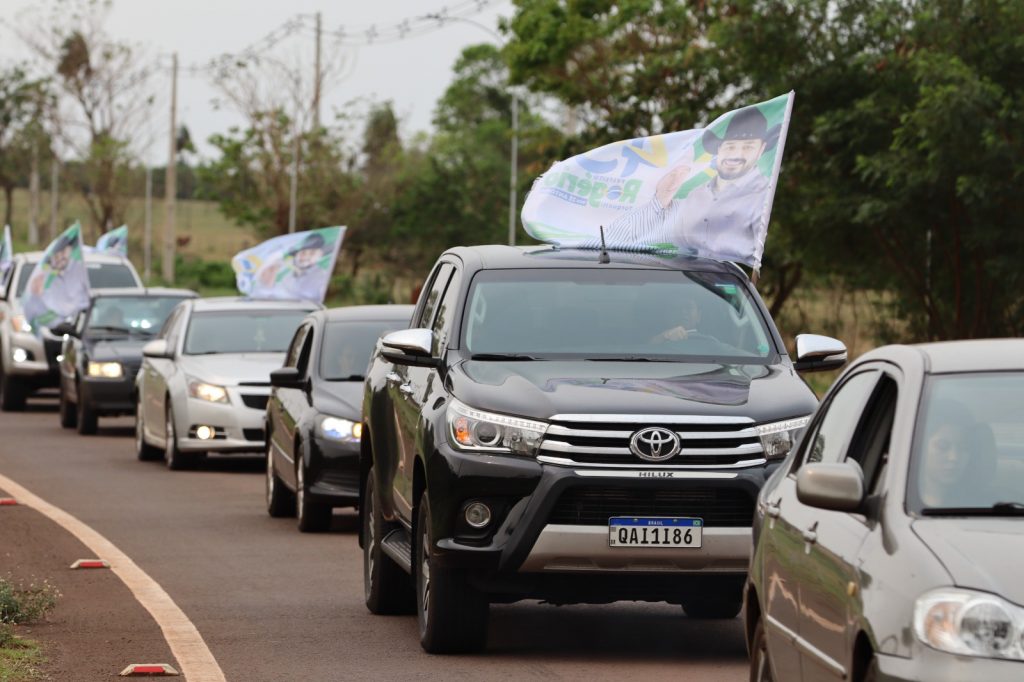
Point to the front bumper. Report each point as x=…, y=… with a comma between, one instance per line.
x=108, y=396
x=238, y=427
x=333, y=472
x=936, y=666
x=41, y=364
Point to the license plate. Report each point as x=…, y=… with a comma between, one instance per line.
x=646, y=531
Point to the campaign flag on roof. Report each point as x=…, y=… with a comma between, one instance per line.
x=58, y=286
x=115, y=241
x=705, y=192
x=293, y=266
x=6, y=250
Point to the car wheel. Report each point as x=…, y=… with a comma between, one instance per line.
x=760, y=661
x=451, y=613
x=68, y=417
x=387, y=588
x=12, y=393
x=85, y=416
x=143, y=450
x=313, y=517
x=279, y=498
x=175, y=459
x=713, y=608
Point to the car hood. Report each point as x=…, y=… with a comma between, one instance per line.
x=339, y=398
x=122, y=349
x=541, y=389
x=979, y=553
x=230, y=369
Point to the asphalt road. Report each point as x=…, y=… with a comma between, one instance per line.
x=275, y=604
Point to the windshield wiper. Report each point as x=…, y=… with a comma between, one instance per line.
x=102, y=328
x=997, y=509
x=500, y=356
x=350, y=377
x=628, y=358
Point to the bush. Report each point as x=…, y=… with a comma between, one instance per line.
x=25, y=604
x=195, y=273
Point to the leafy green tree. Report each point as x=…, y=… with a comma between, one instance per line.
x=23, y=101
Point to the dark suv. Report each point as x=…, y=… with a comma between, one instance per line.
x=553, y=427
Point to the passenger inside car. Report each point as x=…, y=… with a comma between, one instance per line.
x=958, y=458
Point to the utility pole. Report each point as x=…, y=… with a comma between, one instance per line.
x=513, y=181
x=293, y=191
x=54, y=196
x=147, y=239
x=33, y=188
x=171, y=179
x=318, y=76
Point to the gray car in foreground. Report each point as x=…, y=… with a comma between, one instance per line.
x=890, y=544
x=204, y=382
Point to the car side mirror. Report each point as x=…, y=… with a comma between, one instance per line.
x=816, y=353
x=64, y=329
x=409, y=347
x=157, y=348
x=838, y=487
x=287, y=377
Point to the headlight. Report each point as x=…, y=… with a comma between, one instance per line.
x=778, y=438
x=106, y=370
x=208, y=392
x=970, y=623
x=20, y=324
x=335, y=428
x=471, y=429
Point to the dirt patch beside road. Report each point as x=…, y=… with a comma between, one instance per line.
x=97, y=627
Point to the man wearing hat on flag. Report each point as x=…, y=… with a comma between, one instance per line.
x=58, y=286
x=303, y=278
x=717, y=219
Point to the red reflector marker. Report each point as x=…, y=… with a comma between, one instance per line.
x=90, y=563
x=7, y=502
x=155, y=669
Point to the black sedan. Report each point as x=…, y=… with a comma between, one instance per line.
x=314, y=420
x=102, y=352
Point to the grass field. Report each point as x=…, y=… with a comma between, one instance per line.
x=18, y=660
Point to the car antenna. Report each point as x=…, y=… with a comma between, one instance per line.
x=603, y=258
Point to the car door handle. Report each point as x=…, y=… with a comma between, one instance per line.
x=406, y=389
x=393, y=378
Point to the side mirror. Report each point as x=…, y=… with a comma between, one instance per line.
x=64, y=328
x=287, y=377
x=815, y=353
x=157, y=348
x=838, y=487
x=409, y=347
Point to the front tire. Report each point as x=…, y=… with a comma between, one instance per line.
x=143, y=450
x=280, y=502
x=12, y=393
x=760, y=660
x=386, y=587
x=451, y=613
x=85, y=416
x=313, y=517
x=68, y=417
x=175, y=459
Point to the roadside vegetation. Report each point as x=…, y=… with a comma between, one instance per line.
x=21, y=605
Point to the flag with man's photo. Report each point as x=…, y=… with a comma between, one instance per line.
x=292, y=267
x=58, y=287
x=705, y=192
x=115, y=241
x=6, y=251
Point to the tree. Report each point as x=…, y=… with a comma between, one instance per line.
x=23, y=103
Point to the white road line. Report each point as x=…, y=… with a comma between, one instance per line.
x=194, y=657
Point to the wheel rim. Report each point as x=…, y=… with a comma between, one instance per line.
x=300, y=492
x=270, y=478
x=371, y=541
x=169, y=435
x=425, y=577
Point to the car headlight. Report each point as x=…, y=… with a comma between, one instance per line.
x=471, y=429
x=970, y=623
x=208, y=392
x=336, y=428
x=20, y=324
x=106, y=370
x=778, y=438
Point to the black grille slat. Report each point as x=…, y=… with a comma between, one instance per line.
x=254, y=434
x=257, y=402
x=587, y=441
x=722, y=507
x=693, y=460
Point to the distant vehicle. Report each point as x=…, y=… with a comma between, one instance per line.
x=102, y=352
x=889, y=545
x=29, y=361
x=205, y=380
x=314, y=417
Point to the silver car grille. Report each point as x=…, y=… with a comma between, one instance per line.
x=603, y=440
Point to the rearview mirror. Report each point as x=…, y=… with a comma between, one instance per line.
x=287, y=377
x=409, y=347
x=816, y=353
x=838, y=487
x=157, y=349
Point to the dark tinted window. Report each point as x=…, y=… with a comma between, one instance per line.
x=26, y=271
x=615, y=312
x=432, y=296
x=110, y=276
x=828, y=440
x=249, y=331
x=143, y=315
x=295, y=347
x=442, y=326
x=347, y=347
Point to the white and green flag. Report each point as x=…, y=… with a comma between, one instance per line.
x=6, y=251
x=293, y=266
x=115, y=241
x=705, y=192
x=58, y=287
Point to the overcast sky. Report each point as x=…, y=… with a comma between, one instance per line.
x=412, y=72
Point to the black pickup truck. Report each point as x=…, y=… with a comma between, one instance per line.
x=553, y=427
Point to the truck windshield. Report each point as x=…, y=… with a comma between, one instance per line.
x=611, y=313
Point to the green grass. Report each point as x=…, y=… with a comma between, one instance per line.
x=19, y=659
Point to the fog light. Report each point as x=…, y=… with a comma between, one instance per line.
x=19, y=355
x=478, y=514
x=204, y=432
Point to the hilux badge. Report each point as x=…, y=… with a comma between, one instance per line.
x=654, y=444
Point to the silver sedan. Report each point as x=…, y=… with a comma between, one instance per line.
x=889, y=544
x=204, y=382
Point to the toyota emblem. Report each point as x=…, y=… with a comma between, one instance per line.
x=654, y=444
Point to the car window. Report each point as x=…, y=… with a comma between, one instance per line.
x=869, y=446
x=829, y=436
x=307, y=344
x=291, y=359
x=241, y=331
x=442, y=326
x=433, y=295
x=165, y=330
x=141, y=315
x=347, y=346
x=23, y=275
x=110, y=276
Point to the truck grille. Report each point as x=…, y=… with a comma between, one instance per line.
x=722, y=507
x=604, y=440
